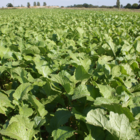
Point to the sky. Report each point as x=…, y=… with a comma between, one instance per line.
x=66, y=2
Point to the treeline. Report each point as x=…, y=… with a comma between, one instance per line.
x=28, y=4
x=85, y=5
x=133, y=6
x=36, y=4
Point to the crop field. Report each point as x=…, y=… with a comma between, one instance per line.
x=69, y=75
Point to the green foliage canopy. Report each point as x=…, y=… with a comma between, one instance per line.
x=69, y=74
x=9, y=5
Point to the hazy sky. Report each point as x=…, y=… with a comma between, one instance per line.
x=66, y=2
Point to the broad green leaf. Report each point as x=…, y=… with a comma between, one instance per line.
x=106, y=91
x=63, y=133
x=94, y=92
x=107, y=70
x=4, y=29
x=19, y=128
x=85, y=62
x=80, y=91
x=126, y=69
x=42, y=66
x=95, y=133
x=62, y=79
x=80, y=31
x=81, y=74
x=53, y=99
x=20, y=74
x=6, y=138
x=116, y=108
x=135, y=65
x=2, y=69
x=31, y=50
x=45, y=70
x=5, y=52
x=109, y=41
x=118, y=125
x=22, y=90
x=134, y=104
x=39, y=121
x=137, y=46
x=116, y=71
x=102, y=100
x=125, y=48
x=4, y=104
x=61, y=117
x=104, y=60
x=25, y=111
x=78, y=115
x=135, y=88
x=40, y=108
x=89, y=137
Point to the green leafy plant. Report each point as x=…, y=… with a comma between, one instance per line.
x=68, y=74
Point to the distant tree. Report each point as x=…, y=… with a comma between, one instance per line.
x=115, y=6
x=9, y=5
x=139, y=4
x=121, y=6
x=34, y=4
x=118, y=3
x=28, y=4
x=38, y=3
x=22, y=5
x=128, y=6
x=44, y=4
x=89, y=6
x=135, y=6
x=79, y=5
x=104, y=6
x=85, y=5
